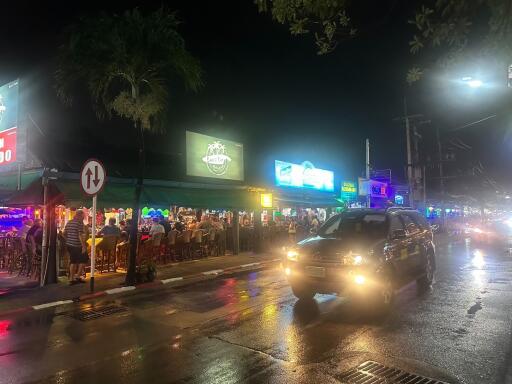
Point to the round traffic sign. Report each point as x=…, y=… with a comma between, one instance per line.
x=92, y=177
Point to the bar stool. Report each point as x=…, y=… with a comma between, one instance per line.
x=170, y=249
x=213, y=242
x=107, y=252
x=156, y=251
x=186, y=247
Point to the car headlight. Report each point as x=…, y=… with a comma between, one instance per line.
x=355, y=259
x=293, y=255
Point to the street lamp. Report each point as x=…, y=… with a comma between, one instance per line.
x=472, y=83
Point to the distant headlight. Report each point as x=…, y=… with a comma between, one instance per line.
x=293, y=255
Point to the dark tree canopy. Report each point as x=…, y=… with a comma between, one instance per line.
x=444, y=32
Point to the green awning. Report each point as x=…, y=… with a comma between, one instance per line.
x=121, y=195
x=113, y=195
x=9, y=182
x=158, y=196
x=305, y=200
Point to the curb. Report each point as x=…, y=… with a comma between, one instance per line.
x=113, y=291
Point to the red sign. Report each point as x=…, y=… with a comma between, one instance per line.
x=8, y=146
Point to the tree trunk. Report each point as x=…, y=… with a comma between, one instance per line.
x=130, y=275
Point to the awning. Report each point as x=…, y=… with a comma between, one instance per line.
x=292, y=199
x=121, y=194
x=199, y=197
x=9, y=182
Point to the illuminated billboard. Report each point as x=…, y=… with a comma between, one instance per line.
x=303, y=175
x=8, y=122
x=348, y=190
x=378, y=189
x=209, y=156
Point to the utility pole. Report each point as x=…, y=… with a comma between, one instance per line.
x=407, y=120
x=441, y=177
x=409, y=155
x=368, y=192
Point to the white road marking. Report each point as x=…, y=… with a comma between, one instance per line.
x=53, y=304
x=166, y=281
x=120, y=289
x=213, y=272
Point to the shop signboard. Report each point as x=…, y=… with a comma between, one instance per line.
x=8, y=123
x=267, y=200
x=209, y=156
x=348, y=190
x=362, y=186
x=378, y=189
x=303, y=175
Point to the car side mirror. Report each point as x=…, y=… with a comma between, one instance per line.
x=398, y=234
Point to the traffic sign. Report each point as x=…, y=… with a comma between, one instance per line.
x=92, y=177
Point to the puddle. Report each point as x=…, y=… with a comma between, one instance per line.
x=475, y=308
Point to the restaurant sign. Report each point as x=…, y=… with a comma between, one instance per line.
x=8, y=122
x=209, y=156
x=303, y=175
x=348, y=190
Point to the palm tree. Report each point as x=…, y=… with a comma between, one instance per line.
x=127, y=64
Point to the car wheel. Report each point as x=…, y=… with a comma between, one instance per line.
x=302, y=292
x=427, y=279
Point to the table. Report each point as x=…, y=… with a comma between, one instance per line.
x=97, y=240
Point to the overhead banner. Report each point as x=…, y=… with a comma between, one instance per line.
x=8, y=123
x=209, y=156
x=303, y=175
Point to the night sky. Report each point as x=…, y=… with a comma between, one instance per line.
x=263, y=87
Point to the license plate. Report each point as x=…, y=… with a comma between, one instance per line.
x=315, y=271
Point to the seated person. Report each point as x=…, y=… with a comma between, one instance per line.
x=110, y=229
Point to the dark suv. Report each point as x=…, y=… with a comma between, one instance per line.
x=367, y=252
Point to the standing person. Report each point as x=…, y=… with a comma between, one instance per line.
x=77, y=248
x=27, y=224
x=34, y=239
x=315, y=224
x=179, y=226
x=292, y=231
x=156, y=227
x=167, y=226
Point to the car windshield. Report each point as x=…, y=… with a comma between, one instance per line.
x=371, y=225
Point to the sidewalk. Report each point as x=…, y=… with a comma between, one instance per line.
x=17, y=294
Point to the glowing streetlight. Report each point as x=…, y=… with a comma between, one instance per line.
x=472, y=83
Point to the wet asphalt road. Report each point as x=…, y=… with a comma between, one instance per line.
x=249, y=328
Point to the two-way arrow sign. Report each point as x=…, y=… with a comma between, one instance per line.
x=92, y=177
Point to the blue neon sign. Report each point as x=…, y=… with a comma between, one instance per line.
x=303, y=175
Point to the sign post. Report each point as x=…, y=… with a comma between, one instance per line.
x=92, y=180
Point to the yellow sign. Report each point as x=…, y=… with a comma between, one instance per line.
x=266, y=200
x=348, y=187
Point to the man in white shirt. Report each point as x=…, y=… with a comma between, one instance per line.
x=156, y=227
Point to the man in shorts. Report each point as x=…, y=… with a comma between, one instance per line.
x=77, y=248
